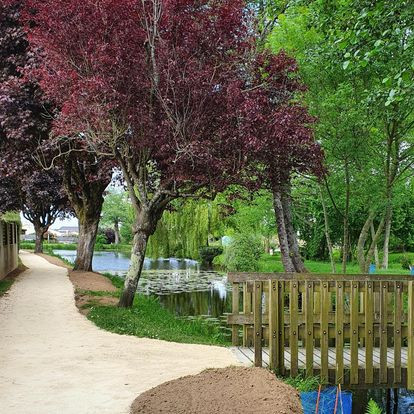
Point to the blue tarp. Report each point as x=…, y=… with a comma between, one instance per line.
x=326, y=402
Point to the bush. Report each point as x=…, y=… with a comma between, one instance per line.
x=100, y=241
x=208, y=253
x=406, y=262
x=243, y=253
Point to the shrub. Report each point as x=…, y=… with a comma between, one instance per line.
x=406, y=262
x=243, y=254
x=208, y=253
x=100, y=241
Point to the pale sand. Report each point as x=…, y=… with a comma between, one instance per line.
x=53, y=360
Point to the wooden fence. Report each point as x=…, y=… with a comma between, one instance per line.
x=352, y=329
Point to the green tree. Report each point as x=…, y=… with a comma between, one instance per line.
x=116, y=212
x=356, y=58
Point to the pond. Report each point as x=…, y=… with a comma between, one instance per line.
x=182, y=285
x=187, y=289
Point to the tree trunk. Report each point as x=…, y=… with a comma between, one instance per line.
x=345, y=242
x=388, y=220
x=376, y=256
x=117, y=235
x=291, y=233
x=281, y=232
x=144, y=227
x=328, y=237
x=88, y=230
x=40, y=232
x=86, y=198
x=374, y=243
x=362, y=240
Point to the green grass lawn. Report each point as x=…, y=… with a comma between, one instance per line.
x=268, y=263
x=148, y=319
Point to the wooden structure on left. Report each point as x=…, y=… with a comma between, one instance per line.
x=9, y=247
x=351, y=329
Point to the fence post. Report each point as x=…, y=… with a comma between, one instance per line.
x=324, y=333
x=354, y=332
x=410, y=366
x=293, y=328
x=235, y=311
x=383, y=331
x=273, y=325
x=398, y=310
x=369, y=332
x=247, y=309
x=339, y=339
x=308, y=307
x=258, y=323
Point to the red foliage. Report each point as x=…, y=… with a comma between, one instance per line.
x=181, y=85
x=23, y=124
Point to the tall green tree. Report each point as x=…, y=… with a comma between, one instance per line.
x=115, y=212
x=356, y=58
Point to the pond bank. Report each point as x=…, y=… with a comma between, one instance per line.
x=96, y=296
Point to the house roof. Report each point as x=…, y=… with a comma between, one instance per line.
x=68, y=228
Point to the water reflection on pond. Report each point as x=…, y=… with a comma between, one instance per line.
x=182, y=285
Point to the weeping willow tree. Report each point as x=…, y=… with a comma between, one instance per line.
x=183, y=230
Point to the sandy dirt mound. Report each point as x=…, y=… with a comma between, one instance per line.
x=221, y=391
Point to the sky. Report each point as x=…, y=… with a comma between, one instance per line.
x=73, y=222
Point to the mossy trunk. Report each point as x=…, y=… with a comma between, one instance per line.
x=139, y=248
x=282, y=232
x=40, y=233
x=117, y=233
x=292, y=237
x=88, y=230
x=143, y=228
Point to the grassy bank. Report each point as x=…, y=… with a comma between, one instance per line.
x=147, y=318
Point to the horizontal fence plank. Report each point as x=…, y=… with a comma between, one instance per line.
x=332, y=286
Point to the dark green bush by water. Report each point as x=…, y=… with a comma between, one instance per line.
x=243, y=254
x=208, y=253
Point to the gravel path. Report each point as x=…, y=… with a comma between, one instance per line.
x=53, y=360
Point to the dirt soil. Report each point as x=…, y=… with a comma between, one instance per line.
x=84, y=281
x=221, y=391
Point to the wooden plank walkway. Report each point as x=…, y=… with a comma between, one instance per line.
x=246, y=356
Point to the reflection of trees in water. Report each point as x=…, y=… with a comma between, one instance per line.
x=197, y=303
x=398, y=401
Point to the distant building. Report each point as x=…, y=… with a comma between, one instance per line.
x=66, y=231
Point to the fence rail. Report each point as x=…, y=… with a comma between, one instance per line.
x=352, y=329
